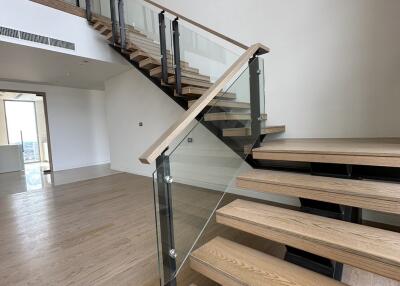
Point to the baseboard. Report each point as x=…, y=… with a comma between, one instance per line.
x=81, y=166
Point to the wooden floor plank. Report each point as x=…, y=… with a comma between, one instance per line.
x=365, y=247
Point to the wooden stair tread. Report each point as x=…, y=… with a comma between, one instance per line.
x=103, y=21
x=98, y=25
x=105, y=30
x=246, y=131
x=185, y=71
x=374, y=195
x=225, y=103
x=218, y=116
x=361, y=246
x=373, y=152
x=230, y=263
x=198, y=91
x=151, y=62
x=139, y=55
x=187, y=80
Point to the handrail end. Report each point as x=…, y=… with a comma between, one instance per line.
x=262, y=49
x=144, y=161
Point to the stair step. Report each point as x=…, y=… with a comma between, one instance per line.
x=198, y=91
x=230, y=263
x=246, y=131
x=133, y=47
x=383, y=152
x=368, y=248
x=191, y=81
x=224, y=116
x=140, y=55
x=143, y=39
x=103, y=21
x=225, y=103
x=379, y=196
x=150, y=63
x=98, y=25
x=147, y=45
x=187, y=71
x=105, y=30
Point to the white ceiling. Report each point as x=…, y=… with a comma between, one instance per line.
x=27, y=64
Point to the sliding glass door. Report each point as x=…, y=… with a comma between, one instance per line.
x=22, y=128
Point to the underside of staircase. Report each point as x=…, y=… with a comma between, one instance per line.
x=228, y=119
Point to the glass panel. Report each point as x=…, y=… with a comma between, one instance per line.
x=142, y=18
x=203, y=53
x=22, y=128
x=204, y=165
x=99, y=7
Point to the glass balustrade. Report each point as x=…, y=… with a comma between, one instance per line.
x=201, y=167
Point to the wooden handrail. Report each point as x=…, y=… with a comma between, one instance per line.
x=172, y=133
x=198, y=25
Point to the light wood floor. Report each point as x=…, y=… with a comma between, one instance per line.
x=95, y=232
x=102, y=232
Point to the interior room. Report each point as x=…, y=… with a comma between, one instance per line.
x=199, y=143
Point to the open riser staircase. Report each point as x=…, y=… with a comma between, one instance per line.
x=333, y=178
x=224, y=116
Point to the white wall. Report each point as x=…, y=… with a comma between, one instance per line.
x=333, y=70
x=77, y=124
x=35, y=18
x=132, y=98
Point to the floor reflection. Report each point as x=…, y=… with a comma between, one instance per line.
x=34, y=179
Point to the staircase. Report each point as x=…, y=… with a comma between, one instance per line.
x=334, y=180
x=372, y=249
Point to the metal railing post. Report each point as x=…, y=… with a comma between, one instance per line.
x=163, y=47
x=122, y=30
x=177, y=57
x=255, y=94
x=114, y=24
x=164, y=181
x=89, y=10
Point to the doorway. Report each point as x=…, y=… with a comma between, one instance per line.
x=22, y=128
x=26, y=125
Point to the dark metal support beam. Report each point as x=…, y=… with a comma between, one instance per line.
x=163, y=47
x=114, y=24
x=316, y=263
x=255, y=95
x=164, y=181
x=89, y=10
x=177, y=57
x=122, y=29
